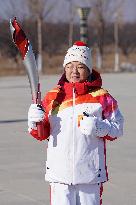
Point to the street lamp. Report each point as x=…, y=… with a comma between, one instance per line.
x=83, y=13
x=116, y=39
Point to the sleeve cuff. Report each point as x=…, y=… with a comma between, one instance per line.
x=102, y=128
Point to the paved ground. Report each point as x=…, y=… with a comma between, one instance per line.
x=22, y=159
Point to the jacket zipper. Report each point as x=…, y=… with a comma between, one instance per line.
x=73, y=165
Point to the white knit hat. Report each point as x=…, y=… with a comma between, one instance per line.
x=79, y=52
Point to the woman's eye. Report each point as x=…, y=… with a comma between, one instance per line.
x=67, y=66
x=80, y=67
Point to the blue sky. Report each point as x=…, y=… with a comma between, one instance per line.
x=60, y=11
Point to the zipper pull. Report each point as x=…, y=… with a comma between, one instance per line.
x=85, y=114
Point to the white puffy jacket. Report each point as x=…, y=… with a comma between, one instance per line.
x=73, y=157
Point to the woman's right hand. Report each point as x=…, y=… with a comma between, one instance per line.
x=35, y=114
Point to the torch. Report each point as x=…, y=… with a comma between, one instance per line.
x=25, y=48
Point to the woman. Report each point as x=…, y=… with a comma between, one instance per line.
x=79, y=117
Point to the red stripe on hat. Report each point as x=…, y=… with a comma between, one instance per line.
x=80, y=43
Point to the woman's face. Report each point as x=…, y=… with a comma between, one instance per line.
x=76, y=72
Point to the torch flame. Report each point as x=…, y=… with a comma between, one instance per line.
x=20, y=39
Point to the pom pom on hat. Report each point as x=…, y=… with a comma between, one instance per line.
x=79, y=52
x=80, y=43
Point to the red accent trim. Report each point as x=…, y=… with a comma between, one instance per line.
x=50, y=196
x=109, y=138
x=20, y=39
x=101, y=191
x=109, y=105
x=105, y=158
x=46, y=131
x=80, y=43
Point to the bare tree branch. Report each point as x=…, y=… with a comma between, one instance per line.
x=103, y=13
x=39, y=9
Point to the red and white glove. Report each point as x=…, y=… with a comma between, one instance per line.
x=92, y=126
x=88, y=125
x=35, y=114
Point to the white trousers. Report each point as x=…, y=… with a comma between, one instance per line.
x=82, y=194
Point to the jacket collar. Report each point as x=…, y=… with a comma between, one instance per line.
x=94, y=81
